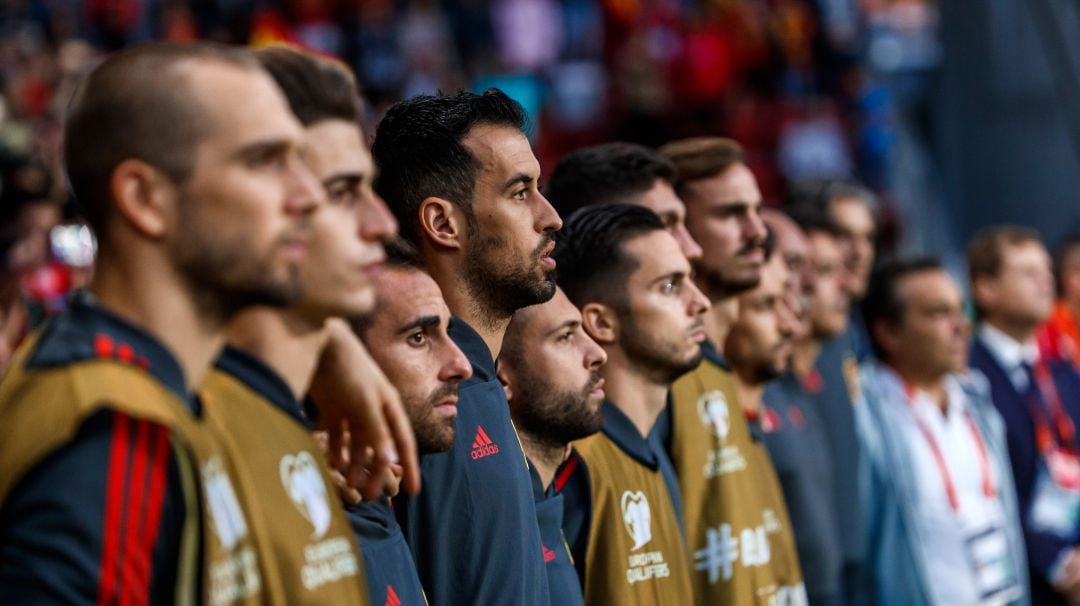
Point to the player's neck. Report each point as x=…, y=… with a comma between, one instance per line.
x=804, y=355
x=287, y=342
x=1073, y=307
x=152, y=297
x=933, y=384
x=490, y=326
x=1021, y=332
x=639, y=397
x=718, y=320
x=545, y=457
x=749, y=393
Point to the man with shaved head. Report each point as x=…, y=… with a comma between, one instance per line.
x=186, y=160
x=272, y=357
x=550, y=368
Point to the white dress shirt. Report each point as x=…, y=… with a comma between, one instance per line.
x=953, y=579
x=1010, y=354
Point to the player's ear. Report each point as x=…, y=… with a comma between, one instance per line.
x=442, y=222
x=600, y=323
x=145, y=198
x=983, y=292
x=503, y=375
x=885, y=333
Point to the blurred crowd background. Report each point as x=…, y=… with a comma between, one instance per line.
x=954, y=113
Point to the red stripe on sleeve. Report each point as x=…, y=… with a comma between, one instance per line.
x=133, y=514
x=159, y=471
x=565, y=473
x=114, y=497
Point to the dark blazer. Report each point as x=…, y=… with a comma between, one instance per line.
x=1043, y=548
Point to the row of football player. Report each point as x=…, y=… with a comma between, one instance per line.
x=223, y=214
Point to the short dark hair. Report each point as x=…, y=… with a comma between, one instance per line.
x=419, y=150
x=24, y=181
x=10, y=233
x=317, y=88
x=819, y=194
x=842, y=190
x=701, y=157
x=589, y=252
x=883, y=302
x=1066, y=254
x=401, y=256
x=134, y=105
x=812, y=219
x=986, y=250
x=769, y=245
x=610, y=173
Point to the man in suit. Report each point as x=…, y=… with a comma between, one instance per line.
x=1039, y=398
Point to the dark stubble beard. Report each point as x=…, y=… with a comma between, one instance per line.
x=433, y=434
x=771, y=367
x=653, y=357
x=767, y=371
x=504, y=286
x=718, y=285
x=552, y=416
x=224, y=275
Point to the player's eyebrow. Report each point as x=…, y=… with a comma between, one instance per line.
x=352, y=179
x=421, y=322
x=518, y=179
x=675, y=276
x=567, y=325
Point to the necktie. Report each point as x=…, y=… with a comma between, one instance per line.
x=1027, y=384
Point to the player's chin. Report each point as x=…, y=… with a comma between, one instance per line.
x=595, y=399
x=444, y=438
x=545, y=274
x=779, y=366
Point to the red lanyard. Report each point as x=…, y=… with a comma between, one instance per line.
x=1066, y=430
x=939, y=458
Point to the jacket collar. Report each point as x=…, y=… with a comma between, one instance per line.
x=262, y=379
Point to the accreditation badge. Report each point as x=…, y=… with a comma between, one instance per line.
x=1064, y=468
x=997, y=579
x=1055, y=502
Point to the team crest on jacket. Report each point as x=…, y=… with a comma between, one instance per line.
x=713, y=409
x=304, y=484
x=637, y=517
x=225, y=513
